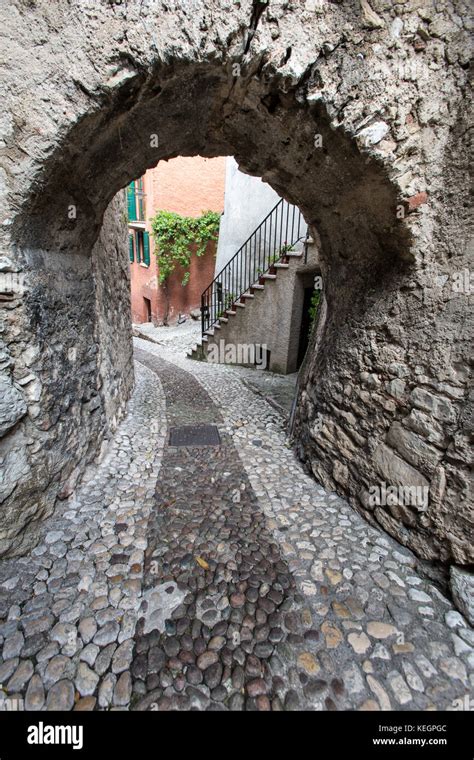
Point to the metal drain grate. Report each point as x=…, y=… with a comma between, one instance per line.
x=195, y=435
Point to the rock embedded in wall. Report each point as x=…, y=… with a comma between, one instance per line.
x=12, y=405
x=462, y=589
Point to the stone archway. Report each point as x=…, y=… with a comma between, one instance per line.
x=321, y=101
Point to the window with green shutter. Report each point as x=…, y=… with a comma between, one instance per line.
x=139, y=245
x=131, y=248
x=146, y=248
x=131, y=203
x=136, y=201
x=140, y=199
x=142, y=247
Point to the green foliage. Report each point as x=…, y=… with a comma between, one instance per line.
x=276, y=257
x=229, y=299
x=313, y=308
x=175, y=234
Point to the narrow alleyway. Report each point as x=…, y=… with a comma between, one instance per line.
x=220, y=576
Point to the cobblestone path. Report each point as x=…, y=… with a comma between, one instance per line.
x=68, y=612
x=220, y=577
x=213, y=563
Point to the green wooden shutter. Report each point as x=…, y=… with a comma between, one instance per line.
x=131, y=248
x=146, y=248
x=140, y=199
x=138, y=242
x=132, y=206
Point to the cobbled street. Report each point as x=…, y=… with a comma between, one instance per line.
x=219, y=575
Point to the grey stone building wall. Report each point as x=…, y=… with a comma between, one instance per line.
x=113, y=327
x=272, y=319
x=356, y=112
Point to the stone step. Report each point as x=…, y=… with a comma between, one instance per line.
x=280, y=265
x=248, y=295
x=294, y=254
x=223, y=319
x=258, y=287
x=269, y=276
x=229, y=311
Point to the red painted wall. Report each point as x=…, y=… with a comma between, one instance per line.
x=144, y=284
x=187, y=186
x=184, y=299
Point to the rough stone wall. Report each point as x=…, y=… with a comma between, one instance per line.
x=357, y=113
x=388, y=396
x=66, y=373
x=113, y=328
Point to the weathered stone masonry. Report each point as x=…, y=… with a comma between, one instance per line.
x=67, y=356
x=385, y=86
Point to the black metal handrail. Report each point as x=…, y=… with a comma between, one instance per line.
x=275, y=236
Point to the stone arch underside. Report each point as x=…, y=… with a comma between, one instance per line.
x=384, y=398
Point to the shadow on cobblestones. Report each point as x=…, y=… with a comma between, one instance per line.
x=210, y=551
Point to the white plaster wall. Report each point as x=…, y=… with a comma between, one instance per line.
x=247, y=201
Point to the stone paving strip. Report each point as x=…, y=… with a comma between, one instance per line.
x=213, y=565
x=367, y=628
x=68, y=612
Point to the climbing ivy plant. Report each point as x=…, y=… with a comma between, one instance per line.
x=175, y=234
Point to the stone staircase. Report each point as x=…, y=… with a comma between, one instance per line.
x=263, y=313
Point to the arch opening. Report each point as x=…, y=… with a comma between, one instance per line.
x=82, y=336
